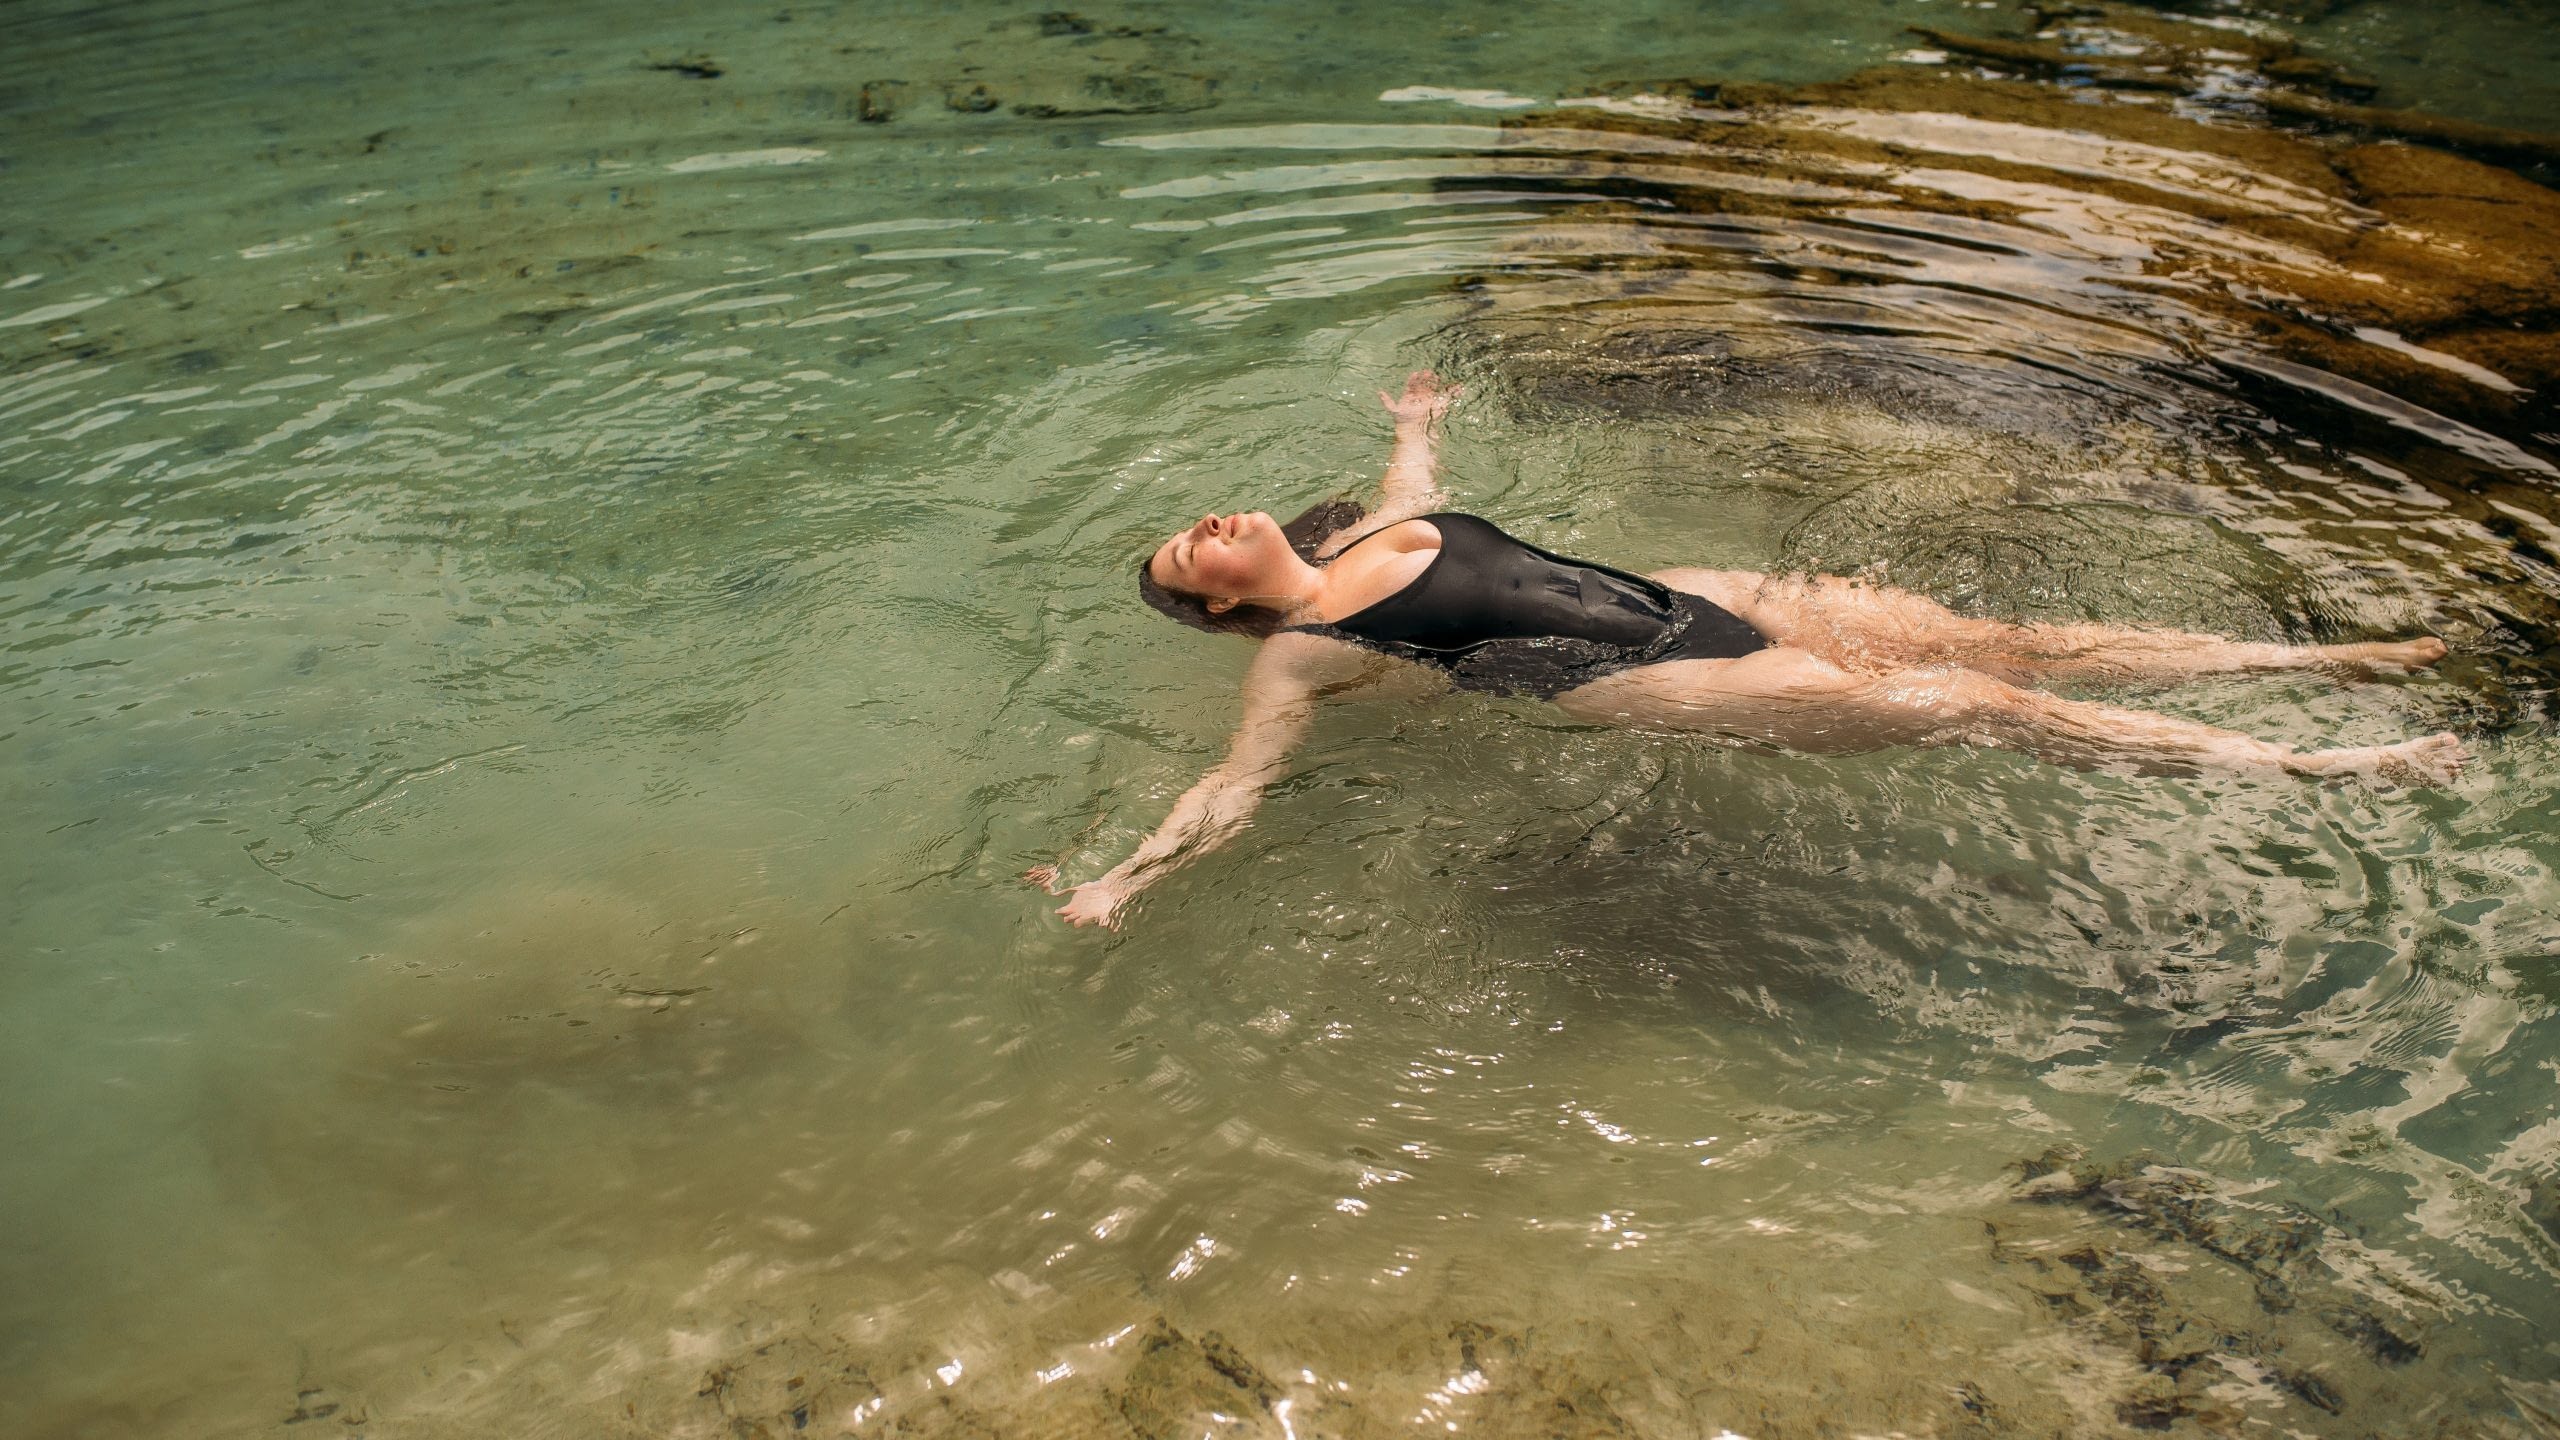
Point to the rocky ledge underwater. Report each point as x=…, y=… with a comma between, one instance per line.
x=2131, y=1297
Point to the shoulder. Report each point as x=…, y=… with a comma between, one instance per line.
x=1401, y=533
x=1306, y=660
x=1418, y=533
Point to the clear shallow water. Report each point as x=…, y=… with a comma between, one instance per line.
x=551, y=598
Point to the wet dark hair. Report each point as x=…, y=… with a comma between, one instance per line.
x=1304, y=534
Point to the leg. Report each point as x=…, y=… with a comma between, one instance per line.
x=1791, y=697
x=1874, y=627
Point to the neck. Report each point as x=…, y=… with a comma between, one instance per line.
x=1292, y=589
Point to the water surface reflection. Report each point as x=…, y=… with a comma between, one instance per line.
x=546, y=621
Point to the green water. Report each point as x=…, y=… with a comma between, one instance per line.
x=551, y=594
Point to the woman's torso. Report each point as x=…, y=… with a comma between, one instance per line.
x=1499, y=614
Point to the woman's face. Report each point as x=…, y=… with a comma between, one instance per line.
x=1223, y=557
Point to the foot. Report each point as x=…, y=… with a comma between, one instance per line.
x=2384, y=657
x=2428, y=760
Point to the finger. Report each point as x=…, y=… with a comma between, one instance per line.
x=1386, y=399
x=1044, y=876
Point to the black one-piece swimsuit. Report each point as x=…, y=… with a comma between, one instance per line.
x=1502, y=615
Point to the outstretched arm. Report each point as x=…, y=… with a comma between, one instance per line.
x=1411, y=485
x=1413, y=469
x=1288, y=677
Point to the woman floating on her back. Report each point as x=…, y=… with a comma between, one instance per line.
x=1815, y=664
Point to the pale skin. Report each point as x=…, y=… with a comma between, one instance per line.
x=1849, y=667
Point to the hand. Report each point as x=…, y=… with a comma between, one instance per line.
x=1425, y=399
x=1095, y=902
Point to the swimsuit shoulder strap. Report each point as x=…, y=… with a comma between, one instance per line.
x=1390, y=525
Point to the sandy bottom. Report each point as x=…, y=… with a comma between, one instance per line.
x=2066, y=1297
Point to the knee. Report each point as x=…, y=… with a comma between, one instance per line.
x=1948, y=691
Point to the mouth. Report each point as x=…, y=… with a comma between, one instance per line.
x=1230, y=527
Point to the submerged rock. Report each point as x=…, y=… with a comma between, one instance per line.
x=2313, y=1334
x=2161, y=293
x=692, y=67
x=2321, y=242
x=1068, y=67
x=1179, y=1387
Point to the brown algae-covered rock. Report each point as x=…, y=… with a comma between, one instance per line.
x=2414, y=270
